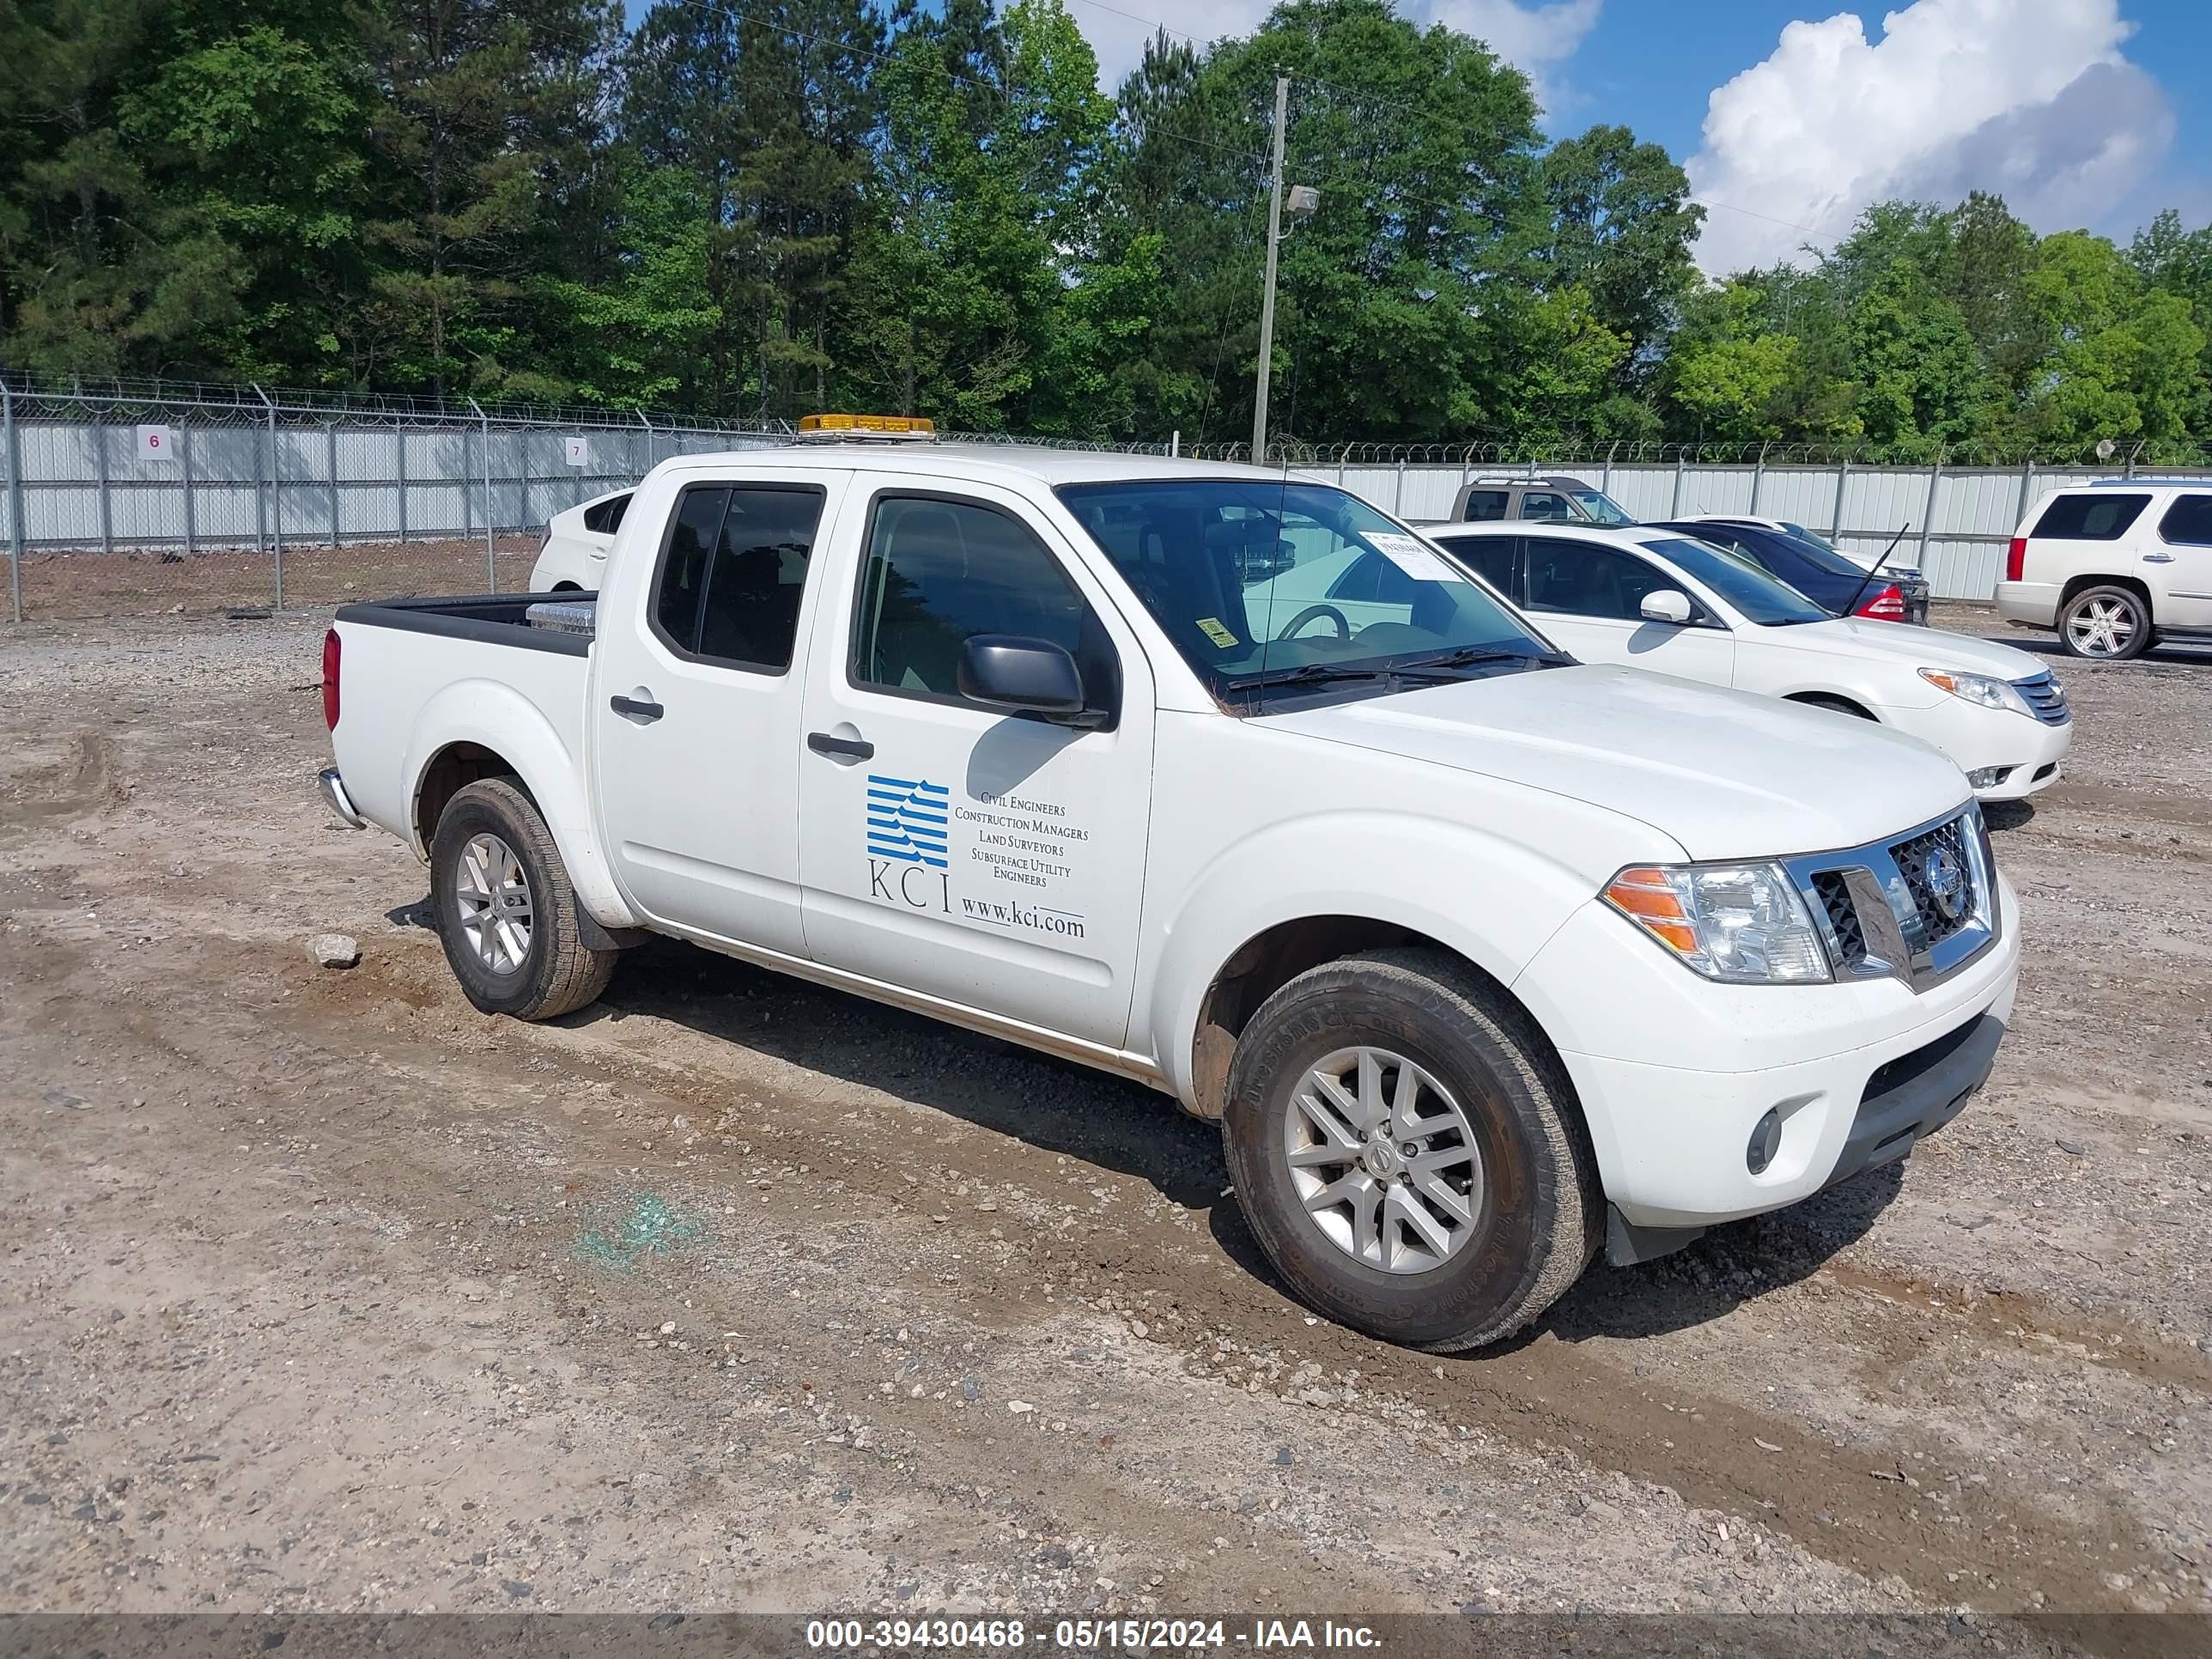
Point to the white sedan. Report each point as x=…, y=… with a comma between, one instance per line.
x=1655, y=599
x=577, y=542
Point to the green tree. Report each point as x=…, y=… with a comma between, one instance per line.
x=477, y=99
x=1621, y=226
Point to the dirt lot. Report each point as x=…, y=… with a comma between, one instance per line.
x=82, y=584
x=322, y=1291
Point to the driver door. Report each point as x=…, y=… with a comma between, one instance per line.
x=1589, y=598
x=990, y=861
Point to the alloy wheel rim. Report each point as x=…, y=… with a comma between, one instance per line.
x=1383, y=1160
x=492, y=902
x=2102, y=628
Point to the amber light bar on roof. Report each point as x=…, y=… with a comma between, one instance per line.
x=866, y=426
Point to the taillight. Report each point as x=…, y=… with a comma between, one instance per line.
x=2016, y=559
x=331, y=679
x=1888, y=606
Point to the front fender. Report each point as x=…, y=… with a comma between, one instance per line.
x=1494, y=900
x=500, y=719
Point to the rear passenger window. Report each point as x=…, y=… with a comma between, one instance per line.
x=1490, y=555
x=2090, y=518
x=1484, y=505
x=604, y=518
x=940, y=572
x=734, y=572
x=2189, y=521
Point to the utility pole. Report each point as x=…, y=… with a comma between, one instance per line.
x=1267, y=295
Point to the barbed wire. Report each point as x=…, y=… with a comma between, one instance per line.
x=36, y=399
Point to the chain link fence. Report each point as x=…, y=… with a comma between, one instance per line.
x=122, y=499
x=136, y=498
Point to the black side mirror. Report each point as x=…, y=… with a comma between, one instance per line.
x=1022, y=676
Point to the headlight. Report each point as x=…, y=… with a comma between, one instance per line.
x=1979, y=689
x=1742, y=923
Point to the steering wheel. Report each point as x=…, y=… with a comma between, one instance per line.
x=1343, y=628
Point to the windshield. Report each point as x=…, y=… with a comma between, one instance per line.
x=1743, y=584
x=1263, y=585
x=1600, y=507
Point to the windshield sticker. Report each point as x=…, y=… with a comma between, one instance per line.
x=1212, y=628
x=1417, y=559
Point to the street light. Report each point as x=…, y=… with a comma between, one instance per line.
x=1305, y=199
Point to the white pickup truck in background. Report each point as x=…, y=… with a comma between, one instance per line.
x=1483, y=958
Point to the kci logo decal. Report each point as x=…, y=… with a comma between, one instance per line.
x=907, y=826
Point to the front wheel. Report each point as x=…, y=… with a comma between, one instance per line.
x=2105, y=624
x=1408, y=1152
x=506, y=911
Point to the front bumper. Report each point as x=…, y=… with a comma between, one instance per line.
x=1671, y=1126
x=2028, y=749
x=1906, y=1100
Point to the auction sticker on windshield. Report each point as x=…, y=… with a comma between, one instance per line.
x=1416, y=559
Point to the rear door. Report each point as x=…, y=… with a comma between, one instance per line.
x=993, y=860
x=697, y=705
x=1493, y=558
x=1588, y=597
x=2181, y=560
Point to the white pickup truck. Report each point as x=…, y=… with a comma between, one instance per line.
x=1484, y=959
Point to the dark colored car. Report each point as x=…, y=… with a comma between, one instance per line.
x=1821, y=574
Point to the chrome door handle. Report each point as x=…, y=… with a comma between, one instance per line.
x=634, y=709
x=822, y=743
x=2158, y=558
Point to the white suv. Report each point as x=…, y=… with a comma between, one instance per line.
x=2116, y=566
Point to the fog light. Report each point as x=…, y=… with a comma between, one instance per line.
x=1989, y=777
x=1765, y=1141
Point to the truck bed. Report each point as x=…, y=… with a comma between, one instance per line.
x=417, y=674
x=530, y=621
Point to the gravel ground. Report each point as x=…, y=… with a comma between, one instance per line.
x=323, y=1292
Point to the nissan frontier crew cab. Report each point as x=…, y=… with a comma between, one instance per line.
x=1484, y=960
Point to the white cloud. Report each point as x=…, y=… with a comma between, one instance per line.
x=2031, y=99
x=1534, y=37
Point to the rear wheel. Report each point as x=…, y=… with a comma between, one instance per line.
x=1407, y=1152
x=506, y=911
x=2105, y=624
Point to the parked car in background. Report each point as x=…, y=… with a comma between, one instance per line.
x=2116, y=566
x=1483, y=959
x=1568, y=500
x=1837, y=585
x=577, y=542
x=1889, y=559
x=1649, y=597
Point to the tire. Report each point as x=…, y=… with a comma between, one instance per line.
x=2104, y=624
x=542, y=969
x=1535, y=1223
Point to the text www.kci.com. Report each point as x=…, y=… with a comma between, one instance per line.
x=1023, y=916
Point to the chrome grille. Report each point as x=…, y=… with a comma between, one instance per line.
x=1917, y=861
x=2046, y=697
x=1843, y=916
x=1885, y=908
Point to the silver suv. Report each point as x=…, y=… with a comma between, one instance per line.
x=1560, y=500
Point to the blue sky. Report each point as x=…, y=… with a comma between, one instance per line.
x=1792, y=115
